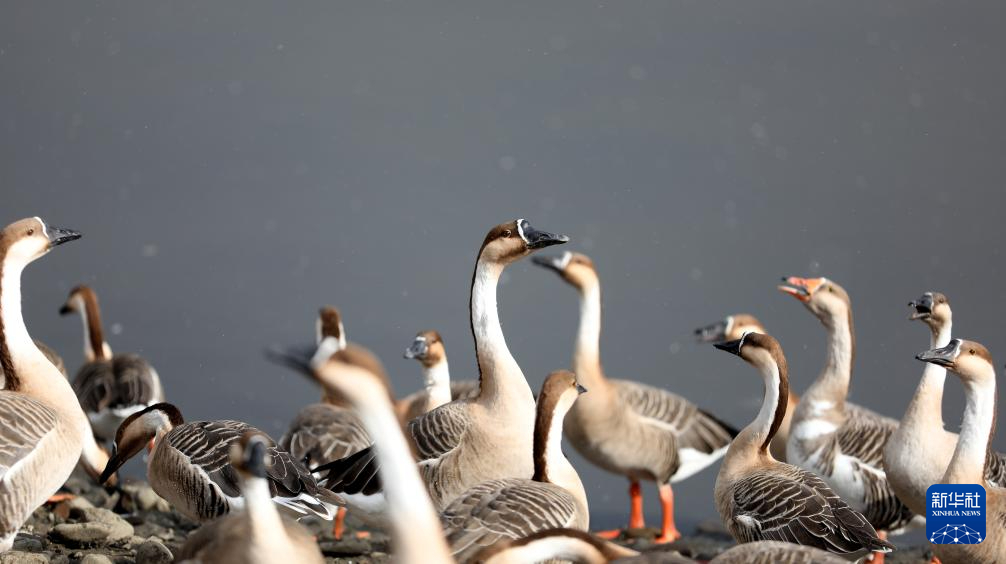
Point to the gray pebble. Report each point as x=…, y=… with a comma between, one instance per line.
x=153, y=552
x=18, y=557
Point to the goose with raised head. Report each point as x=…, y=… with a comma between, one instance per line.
x=490, y=436
x=760, y=498
x=972, y=363
x=836, y=439
x=43, y=431
x=438, y=389
x=566, y=544
x=513, y=507
x=258, y=534
x=328, y=430
x=919, y=451
x=733, y=328
x=189, y=465
x=110, y=387
x=629, y=428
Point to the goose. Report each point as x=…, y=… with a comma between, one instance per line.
x=189, y=465
x=563, y=543
x=732, y=328
x=760, y=498
x=428, y=349
x=514, y=507
x=43, y=430
x=259, y=534
x=838, y=440
x=110, y=387
x=328, y=430
x=776, y=552
x=972, y=363
x=919, y=450
x=50, y=354
x=628, y=428
x=490, y=436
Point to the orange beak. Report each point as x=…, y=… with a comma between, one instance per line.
x=800, y=288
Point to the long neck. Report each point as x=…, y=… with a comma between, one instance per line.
x=833, y=383
x=927, y=403
x=587, y=355
x=500, y=378
x=437, y=381
x=760, y=432
x=95, y=347
x=550, y=464
x=418, y=534
x=968, y=462
x=267, y=529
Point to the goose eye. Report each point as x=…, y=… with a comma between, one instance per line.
x=831, y=289
x=507, y=233
x=31, y=231
x=972, y=351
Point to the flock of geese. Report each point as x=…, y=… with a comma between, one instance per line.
x=473, y=471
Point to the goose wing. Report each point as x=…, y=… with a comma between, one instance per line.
x=792, y=505
x=124, y=381
x=693, y=427
x=776, y=552
x=24, y=423
x=995, y=468
x=504, y=509
x=322, y=433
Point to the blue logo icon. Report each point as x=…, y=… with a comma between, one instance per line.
x=955, y=513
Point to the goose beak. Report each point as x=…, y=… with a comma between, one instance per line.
x=712, y=333
x=114, y=463
x=536, y=239
x=580, y=389
x=943, y=356
x=549, y=262
x=417, y=349
x=59, y=235
x=65, y=310
x=800, y=288
x=923, y=308
x=255, y=462
x=732, y=347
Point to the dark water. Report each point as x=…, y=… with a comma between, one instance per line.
x=234, y=166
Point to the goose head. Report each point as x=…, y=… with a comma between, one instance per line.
x=330, y=325
x=250, y=455
x=75, y=301
x=575, y=268
x=139, y=430
x=757, y=349
x=970, y=360
x=824, y=298
x=28, y=239
x=427, y=348
x=558, y=392
x=512, y=240
x=730, y=329
x=933, y=308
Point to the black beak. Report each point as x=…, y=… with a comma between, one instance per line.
x=712, y=333
x=417, y=349
x=113, y=466
x=297, y=359
x=255, y=455
x=549, y=262
x=540, y=239
x=65, y=310
x=580, y=389
x=58, y=235
x=733, y=347
x=944, y=356
x=923, y=307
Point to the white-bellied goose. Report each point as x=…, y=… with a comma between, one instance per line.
x=438, y=389
x=259, y=534
x=328, y=430
x=972, y=364
x=490, y=436
x=733, y=328
x=43, y=431
x=776, y=552
x=760, y=498
x=918, y=452
x=565, y=544
x=189, y=465
x=110, y=387
x=628, y=428
x=841, y=441
x=513, y=507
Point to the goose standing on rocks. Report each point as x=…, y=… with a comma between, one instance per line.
x=760, y=498
x=836, y=439
x=513, y=508
x=43, y=431
x=110, y=387
x=490, y=436
x=259, y=534
x=628, y=428
x=972, y=364
x=732, y=328
x=189, y=465
x=428, y=349
x=329, y=430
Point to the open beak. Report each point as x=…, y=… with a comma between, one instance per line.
x=800, y=288
x=417, y=349
x=58, y=235
x=712, y=333
x=732, y=347
x=536, y=239
x=943, y=356
x=923, y=308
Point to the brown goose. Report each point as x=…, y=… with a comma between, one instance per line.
x=259, y=534
x=453, y=440
x=566, y=544
x=733, y=328
x=189, y=465
x=628, y=428
x=513, y=507
x=760, y=498
x=776, y=552
x=110, y=387
x=438, y=389
x=972, y=363
x=836, y=439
